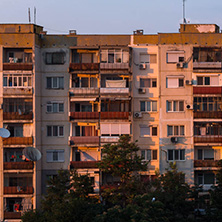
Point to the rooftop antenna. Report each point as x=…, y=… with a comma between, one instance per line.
x=29, y=15
x=34, y=15
x=184, y=19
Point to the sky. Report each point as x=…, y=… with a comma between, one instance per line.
x=111, y=16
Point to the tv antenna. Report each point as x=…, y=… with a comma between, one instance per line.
x=29, y=15
x=184, y=19
x=34, y=15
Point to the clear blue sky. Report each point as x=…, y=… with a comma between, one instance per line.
x=111, y=16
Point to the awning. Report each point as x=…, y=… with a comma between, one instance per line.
x=82, y=99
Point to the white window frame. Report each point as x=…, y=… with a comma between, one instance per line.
x=58, y=131
x=178, y=82
x=178, y=55
x=180, y=158
x=174, y=106
x=50, y=156
x=53, y=86
x=151, y=82
x=212, y=76
x=150, y=130
x=123, y=54
x=17, y=77
x=150, y=152
x=148, y=106
x=173, y=130
x=50, y=105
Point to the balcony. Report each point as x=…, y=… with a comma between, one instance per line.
x=114, y=115
x=18, y=190
x=17, y=116
x=18, y=165
x=83, y=91
x=207, y=65
x=83, y=164
x=17, y=66
x=208, y=139
x=84, y=115
x=114, y=90
x=208, y=114
x=12, y=215
x=18, y=141
x=207, y=90
x=109, y=139
x=79, y=140
x=114, y=66
x=205, y=163
x=83, y=67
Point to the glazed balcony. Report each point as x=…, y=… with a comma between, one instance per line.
x=208, y=139
x=20, y=190
x=18, y=165
x=207, y=114
x=205, y=163
x=114, y=115
x=83, y=164
x=84, y=115
x=207, y=90
x=17, y=116
x=17, y=66
x=18, y=141
x=12, y=215
x=79, y=140
x=83, y=67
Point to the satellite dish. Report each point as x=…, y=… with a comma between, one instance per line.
x=4, y=133
x=32, y=153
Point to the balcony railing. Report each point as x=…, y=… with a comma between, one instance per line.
x=83, y=164
x=83, y=67
x=207, y=65
x=18, y=190
x=18, y=165
x=114, y=90
x=84, y=115
x=83, y=91
x=208, y=139
x=205, y=163
x=84, y=140
x=208, y=114
x=17, y=116
x=18, y=141
x=17, y=66
x=12, y=215
x=114, y=115
x=109, y=139
x=111, y=66
x=207, y=90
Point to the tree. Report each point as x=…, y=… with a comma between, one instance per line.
x=122, y=161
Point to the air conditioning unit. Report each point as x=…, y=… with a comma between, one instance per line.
x=142, y=66
x=138, y=115
x=189, y=106
x=180, y=65
x=189, y=82
x=174, y=139
x=141, y=90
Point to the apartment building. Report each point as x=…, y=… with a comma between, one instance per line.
x=68, y=95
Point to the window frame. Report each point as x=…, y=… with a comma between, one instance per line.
x=179, y=78
x=181, y=154
x=173, y=131
x=150, y=131
x=51, y=104
x=50, y=131
x=146, y=152
x=52, y=54
x=153, y=81
x=175, y=104
x=146, y=106
x=52, y=83
x=52, y=152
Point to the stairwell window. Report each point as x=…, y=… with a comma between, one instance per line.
x=55, y=58
x=175, y=130
x=148, y=83
x=149, y=154
x=55, y=107
x=147, y=131
x=174, y=106
x=55, y=131
x=176, y=155
x=148, y=106
x=55, y=82
x=55, y=156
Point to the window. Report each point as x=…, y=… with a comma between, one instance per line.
x=55, y=107
x=175, y=56
x=55, y=58
x=55, y=131
x=114, y=56
x=176, y=155
x=147, y=131
x=175, y=130
x=148, y=106
x=148, y=58
x=149, y=154
x=174, y=82
x=54, y=82
x=148, y=83
x=205, y=154
x=206, y=178
x=114, y=129
x=207, y=104
x=208, y=128
x=55, y=155
x=84, y=82
x=17, y=81
x=174, y=106
x=208, y=80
